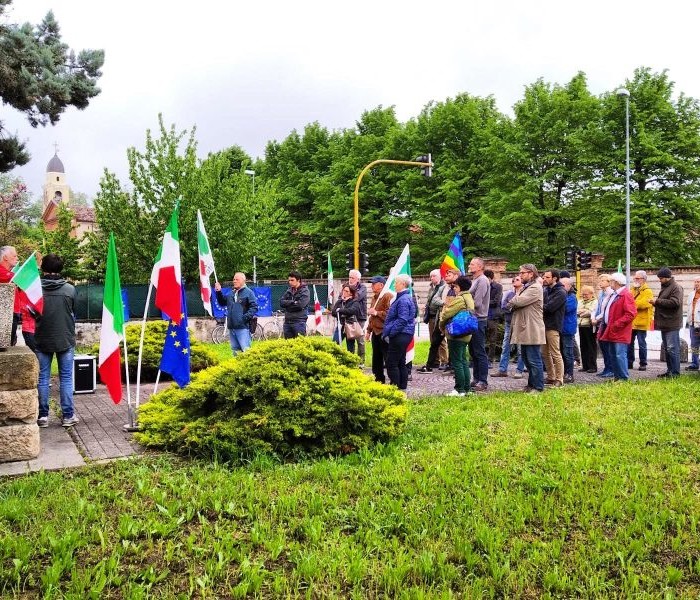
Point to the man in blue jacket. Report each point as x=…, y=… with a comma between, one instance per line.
x=242, y=306
x=295, y=303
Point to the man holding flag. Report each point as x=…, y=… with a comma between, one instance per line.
x=242, y=306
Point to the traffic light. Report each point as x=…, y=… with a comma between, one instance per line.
x=584, y=260
x=427, y=170
x=349, y=261
x=571, y=259
x=364, y=263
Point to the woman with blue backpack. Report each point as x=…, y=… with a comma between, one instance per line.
x=458, y=320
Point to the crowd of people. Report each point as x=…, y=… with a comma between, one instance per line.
x=539, y=318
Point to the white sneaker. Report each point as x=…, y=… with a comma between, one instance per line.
x=517, y=375
x=70, y=421
x=42, y=421
x=455, y=393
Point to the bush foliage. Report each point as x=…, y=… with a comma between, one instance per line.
x=201, y=357
x=293, y=398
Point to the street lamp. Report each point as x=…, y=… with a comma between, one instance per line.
x=626, y=93
x=251, y=173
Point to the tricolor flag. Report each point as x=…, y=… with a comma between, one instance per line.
x=111, y=334
x=402, y=266
x=331, y=288
x=206, y=264
x=317, y=308
x=454, y=259
x=166, y=276
x=27, y=279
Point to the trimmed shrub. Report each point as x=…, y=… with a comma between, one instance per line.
x=201, y=357
x=293, y=398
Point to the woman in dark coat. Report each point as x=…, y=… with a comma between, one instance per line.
x=346, y=310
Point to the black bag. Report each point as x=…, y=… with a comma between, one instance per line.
x=252, y=325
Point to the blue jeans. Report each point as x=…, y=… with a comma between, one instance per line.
x=477, y=351
x=567, y=343
x=240, y=339
x=607, y=352
x=619, y=362
x=65, y=375
x=505, y=353
x=694, y=348
x=672, y=341
x=532, y=357
x=641, y=336
x=293, y=329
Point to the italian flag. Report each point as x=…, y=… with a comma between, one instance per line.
x=112, y=331
x=27, y=279
x=402, y=267
x=166, y=276
x=317, y=308
x=206, y=264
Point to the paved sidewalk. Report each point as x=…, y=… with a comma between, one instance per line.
x=100, y=434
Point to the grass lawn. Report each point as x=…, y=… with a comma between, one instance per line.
x=585, y=491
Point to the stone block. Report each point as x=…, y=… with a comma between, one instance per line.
x=19, y=406
x=19, y=369
x=19, y=442
x=7, y=302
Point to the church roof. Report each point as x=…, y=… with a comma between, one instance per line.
x=55, y=165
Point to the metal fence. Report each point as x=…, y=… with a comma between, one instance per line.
x=88, y=303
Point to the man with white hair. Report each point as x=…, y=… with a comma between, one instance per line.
x=8, y=260
x=399, y=327
x=642, y=295
x=616, y=328
x=694, y=325
x=355, y=282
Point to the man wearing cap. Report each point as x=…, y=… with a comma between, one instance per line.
x=642, y=295
x=617, y=325
x=668, y=319
x=377, y=315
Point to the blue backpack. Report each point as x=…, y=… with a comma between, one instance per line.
x=463, y=323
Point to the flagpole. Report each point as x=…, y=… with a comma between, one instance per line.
x=155, y=387
x=143, y=333
x=131, y=425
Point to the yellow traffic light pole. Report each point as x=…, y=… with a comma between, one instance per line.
x=410, y=163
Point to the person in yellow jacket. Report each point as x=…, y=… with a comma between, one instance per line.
x=457, y=346
x=642, y=295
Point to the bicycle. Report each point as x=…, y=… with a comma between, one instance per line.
x=219, y=334
x=273, y=329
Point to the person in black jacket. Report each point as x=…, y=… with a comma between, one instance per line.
x=295, y=302
x=55, y=334
x=495, y=318
x=241, y=306
x=347, y=310
x=553, y=310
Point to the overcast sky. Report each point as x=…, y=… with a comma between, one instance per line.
x=247, y=73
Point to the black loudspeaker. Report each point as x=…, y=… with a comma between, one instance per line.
x=84, y=374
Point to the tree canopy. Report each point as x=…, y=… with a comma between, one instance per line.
x=40, y=77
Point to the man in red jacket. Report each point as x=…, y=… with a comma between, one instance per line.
x=617, y=324
x=8, y=260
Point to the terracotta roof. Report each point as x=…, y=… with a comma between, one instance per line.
x=86, y=214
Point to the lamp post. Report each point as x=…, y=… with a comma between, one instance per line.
x=251, y=173
x=626, y=93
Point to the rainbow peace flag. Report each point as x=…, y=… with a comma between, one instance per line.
x=453, y=259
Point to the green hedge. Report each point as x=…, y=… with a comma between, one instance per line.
x=293, y=398
x=201, y=357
